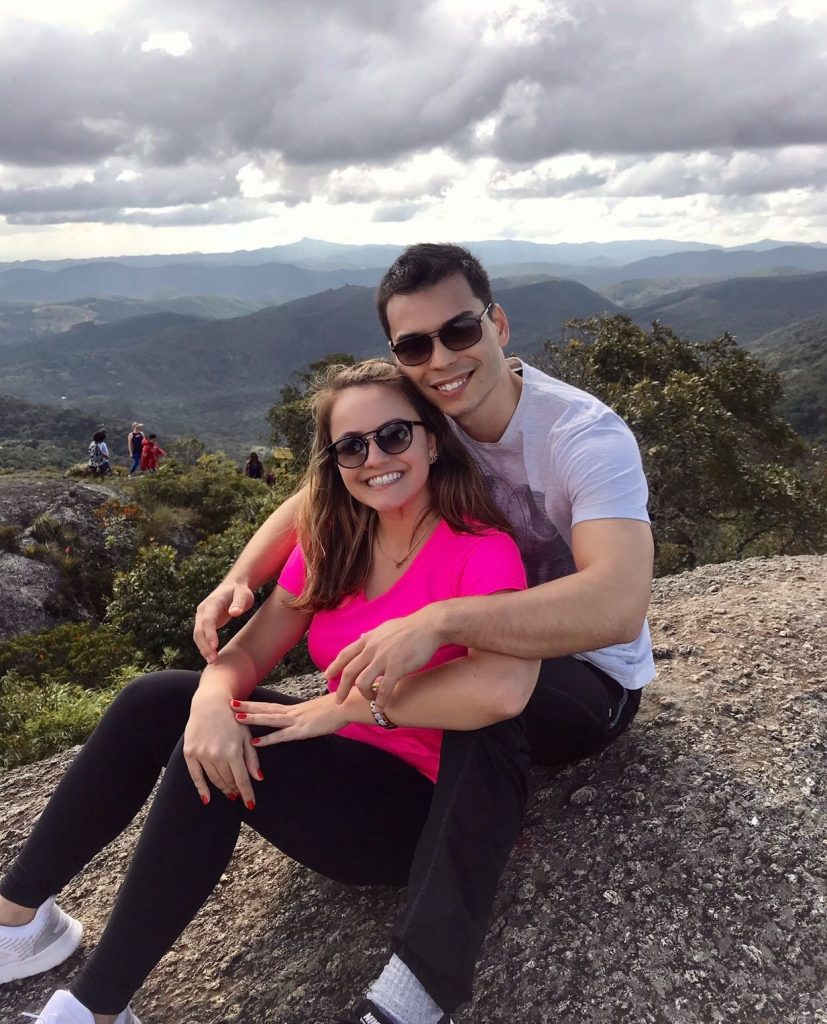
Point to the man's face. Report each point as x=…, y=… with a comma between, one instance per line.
x=473, y=386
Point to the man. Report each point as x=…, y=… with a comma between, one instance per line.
x=567, y=473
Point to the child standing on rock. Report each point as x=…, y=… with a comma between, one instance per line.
x=151, y=451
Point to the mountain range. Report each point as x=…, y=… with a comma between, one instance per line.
x=200, y=346
x=216, y=379
x=265, y=277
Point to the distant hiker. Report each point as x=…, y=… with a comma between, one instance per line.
x=134, y=443
x=270, y=479
x=151, y=451
x=99, y=454
x=254, y=468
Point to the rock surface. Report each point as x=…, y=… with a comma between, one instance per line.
x=677, y=878
x=26, y=584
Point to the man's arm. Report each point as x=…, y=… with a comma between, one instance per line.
x=467, y=693
x=603, y=603
x=261, y=560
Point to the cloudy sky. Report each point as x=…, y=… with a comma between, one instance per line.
x=140, y=126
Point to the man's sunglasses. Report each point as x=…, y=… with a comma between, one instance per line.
x=393, y=437
x=455, y=335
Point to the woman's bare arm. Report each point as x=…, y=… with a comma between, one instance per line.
x=260, y=561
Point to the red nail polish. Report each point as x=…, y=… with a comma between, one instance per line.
x=232, y=796
x=260, y=775
x=204, y=799
x=251, y=805
x=255, y=741
x=235, y=703
x=241, y=716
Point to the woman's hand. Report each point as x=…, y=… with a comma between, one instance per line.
x=316, y=717
x=218, y=748
x=228, y=600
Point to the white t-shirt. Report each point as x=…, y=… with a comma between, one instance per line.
x=565, y=458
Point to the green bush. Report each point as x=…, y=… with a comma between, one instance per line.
x=728, y=477
x=212, y=491
x=37, y=721
x=46, y=529
x=85, y=654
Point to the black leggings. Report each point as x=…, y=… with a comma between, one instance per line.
x=345, y=809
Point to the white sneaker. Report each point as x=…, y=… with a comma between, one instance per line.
x=43, y=943
x=63, y=1008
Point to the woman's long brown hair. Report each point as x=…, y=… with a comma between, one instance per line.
x=336, y=531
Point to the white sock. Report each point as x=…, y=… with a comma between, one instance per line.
x=399, y=994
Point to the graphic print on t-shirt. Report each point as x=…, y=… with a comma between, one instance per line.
x=545, y=554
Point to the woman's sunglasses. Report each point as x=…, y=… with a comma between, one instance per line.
x=455, y=335
x=393, y=437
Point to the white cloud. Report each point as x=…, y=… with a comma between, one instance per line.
x=174, y=43
x=550, y=118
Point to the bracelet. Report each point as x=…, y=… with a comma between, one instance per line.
x=380, y=718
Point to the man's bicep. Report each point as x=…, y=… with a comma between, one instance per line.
x=622, y=552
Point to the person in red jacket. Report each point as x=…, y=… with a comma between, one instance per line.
x=151, y=451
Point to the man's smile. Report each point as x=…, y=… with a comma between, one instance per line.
x=454, y=384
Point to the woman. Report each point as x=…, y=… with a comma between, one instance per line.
x=99, y=454
x=394, y=516
x=134, y=445
x=253, y=467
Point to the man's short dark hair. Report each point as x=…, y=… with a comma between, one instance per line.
x=425, y=265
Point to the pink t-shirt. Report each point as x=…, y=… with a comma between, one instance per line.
x=448, y=565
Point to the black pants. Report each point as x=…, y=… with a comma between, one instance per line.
x=450, y=842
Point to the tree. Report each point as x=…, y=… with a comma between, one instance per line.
x=290, y=417
x=728, y=477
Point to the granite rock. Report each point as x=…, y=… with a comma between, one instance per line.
x=685, y=883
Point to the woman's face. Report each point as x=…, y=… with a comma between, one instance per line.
x=388, y=483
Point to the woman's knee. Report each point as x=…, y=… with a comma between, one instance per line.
x=149, y=693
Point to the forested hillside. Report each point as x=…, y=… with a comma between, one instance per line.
x=799, y=354
x=216, y=379
x=746, y=307
x=34, y=436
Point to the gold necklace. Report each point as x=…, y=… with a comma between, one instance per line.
x=419, y=536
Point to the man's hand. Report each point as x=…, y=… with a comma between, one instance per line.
x=316, y=717
x=384, y=655
x=228, y=600
x=218, y=748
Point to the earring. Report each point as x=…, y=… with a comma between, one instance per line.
x=432, y=458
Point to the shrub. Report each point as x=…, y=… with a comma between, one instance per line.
x=728, y=477
x=212, y=492
x=37, y=721
x=84, y=654
x=8, y=537
x=46, y=529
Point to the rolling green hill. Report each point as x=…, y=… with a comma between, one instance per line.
x=180, y=375
x=34, y=436
x=538, y=310
x=799, y=354
x=745, y=306
x=216, y=379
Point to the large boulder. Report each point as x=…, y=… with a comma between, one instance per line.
x=29, y=586
x=676, y=879
x=26, y=589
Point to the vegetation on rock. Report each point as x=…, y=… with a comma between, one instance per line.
x=728, y=477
